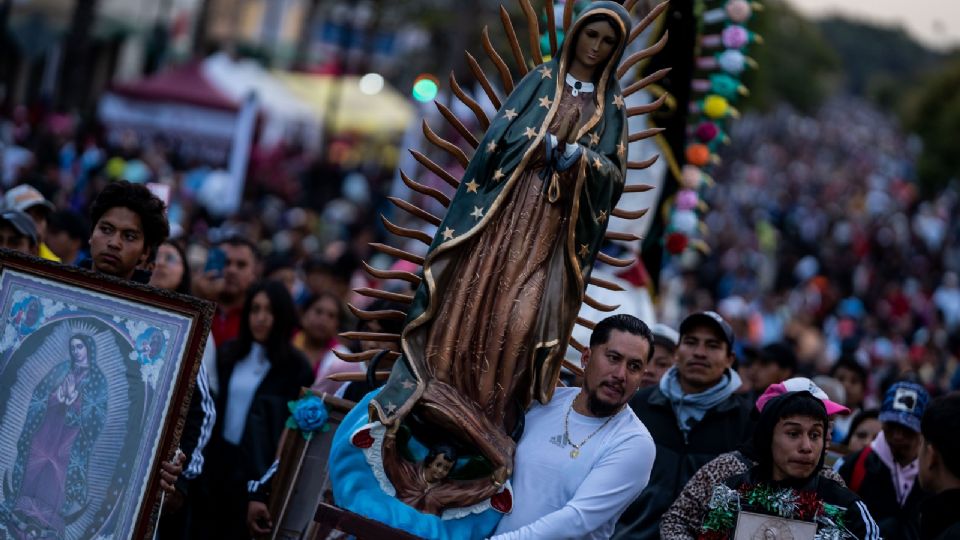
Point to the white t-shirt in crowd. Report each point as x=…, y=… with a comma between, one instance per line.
x=244, y=381
x=556, y=496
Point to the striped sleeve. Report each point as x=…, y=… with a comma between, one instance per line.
x=859, y=514
x=253, y=486
x=195, y=466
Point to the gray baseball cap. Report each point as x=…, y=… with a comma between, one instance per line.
x=24, y=197
x=20, y=221
x=711, y=319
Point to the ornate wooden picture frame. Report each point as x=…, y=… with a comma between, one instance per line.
x=96, y=375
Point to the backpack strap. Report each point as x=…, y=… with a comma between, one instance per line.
x=860, y=469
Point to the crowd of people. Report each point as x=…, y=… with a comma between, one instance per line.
x=820, y=334
x=822, y=242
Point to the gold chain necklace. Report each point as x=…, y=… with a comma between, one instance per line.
x=566, y=431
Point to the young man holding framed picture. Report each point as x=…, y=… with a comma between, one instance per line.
x=96, y=376
x=129, y=224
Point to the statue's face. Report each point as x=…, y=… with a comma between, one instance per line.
x=438, y=469
x=78, y=350
x=595, y=43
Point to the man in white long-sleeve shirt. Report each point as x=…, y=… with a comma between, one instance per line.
x=585, y=456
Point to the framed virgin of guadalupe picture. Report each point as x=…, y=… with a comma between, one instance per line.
x=96, y=374
x=753, y=526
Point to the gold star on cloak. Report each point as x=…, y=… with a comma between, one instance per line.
x=545, y=72
x=594, y=139
x=530, y=132
x=618, y=101
x=408, y=385
x=602, y=217
x=491, y=146
x=584, y=250
x=597, y=164
x=545, y=102
x=621, y=149
x=472, y=186
x=390, y=408
x=510, y=114
x=447, y=233
x=498, y=175
x=477, y=212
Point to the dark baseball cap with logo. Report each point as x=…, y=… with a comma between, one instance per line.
x=904, y=404
x=710, y=319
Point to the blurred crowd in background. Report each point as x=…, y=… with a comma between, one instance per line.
x=821, y=242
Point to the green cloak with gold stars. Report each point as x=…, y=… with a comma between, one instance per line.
x=515, y=134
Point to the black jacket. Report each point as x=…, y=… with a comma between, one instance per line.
x=879, y=494
x=268, y=410
x=221, y=511
x=722, y=429
x=940, y=516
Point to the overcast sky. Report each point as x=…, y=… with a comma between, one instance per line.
x=936, y=23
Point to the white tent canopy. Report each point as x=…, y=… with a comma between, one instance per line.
x=285, y=115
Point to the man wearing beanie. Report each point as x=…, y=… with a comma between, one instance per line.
x=685, y=516
x=884, y=474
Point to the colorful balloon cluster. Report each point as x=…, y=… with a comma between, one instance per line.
x=724, y=39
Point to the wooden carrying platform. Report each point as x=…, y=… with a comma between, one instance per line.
x=331, y=518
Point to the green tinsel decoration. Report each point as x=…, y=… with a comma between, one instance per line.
x=835, y=513
x=784, y=502
x=724, y=505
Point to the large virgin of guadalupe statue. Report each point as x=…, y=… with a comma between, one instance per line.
x=64, y=418
x=506, y=273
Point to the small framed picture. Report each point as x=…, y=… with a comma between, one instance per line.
x=752, y=526
x=96, y=375
x=302, y=482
